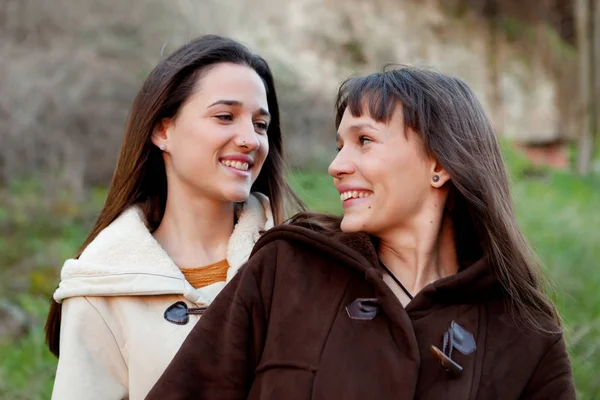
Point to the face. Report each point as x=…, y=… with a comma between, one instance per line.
x=217, y=144
x=382, y=173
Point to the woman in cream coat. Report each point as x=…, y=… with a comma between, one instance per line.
x=199, y=177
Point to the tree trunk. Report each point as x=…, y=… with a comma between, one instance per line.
x=596, y=74
x=494, y=58
x=585, y=14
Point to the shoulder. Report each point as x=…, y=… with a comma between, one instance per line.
x=308, y=232
x=83, y=305
x=299, y=254
x=304, y=244
x=122, y=316
x=291, y=246
x=508, y=332
x=84, y=318
x=284, y=238
x=108, y=309
x=86, y=308
x=535, y=360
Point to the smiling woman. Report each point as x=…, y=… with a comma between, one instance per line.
x=424, y=289
x=221, y=130
x=373, y=159
x=199, y=176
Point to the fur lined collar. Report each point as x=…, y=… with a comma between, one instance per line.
x=125, y=259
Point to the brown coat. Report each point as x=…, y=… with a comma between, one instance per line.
x=289, y=327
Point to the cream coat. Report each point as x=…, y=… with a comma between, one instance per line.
x=114, y=340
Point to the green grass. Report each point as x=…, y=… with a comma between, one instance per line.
x=561, y=219
x=557, y=211
x=37, y=233
x=27, y=367
x=317, y=191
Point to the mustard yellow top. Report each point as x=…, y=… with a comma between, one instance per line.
x=206, y=275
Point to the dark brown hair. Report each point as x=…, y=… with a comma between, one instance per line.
x=456, y=132
x=140, y=176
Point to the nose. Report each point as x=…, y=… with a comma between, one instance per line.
x=247, y=138
x=341, y=165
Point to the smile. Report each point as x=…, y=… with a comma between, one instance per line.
x=354, y=194
x=242, y=166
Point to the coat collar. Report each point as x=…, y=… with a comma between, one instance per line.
x=358, y=251
x=125, y=259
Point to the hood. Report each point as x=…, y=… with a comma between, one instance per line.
x=358, y=251
x=125, y=259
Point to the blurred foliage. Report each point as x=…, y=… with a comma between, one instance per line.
x=37, y=232
x=27, y=367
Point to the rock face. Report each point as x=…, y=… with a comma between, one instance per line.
x=72, y=68
x=320, y=43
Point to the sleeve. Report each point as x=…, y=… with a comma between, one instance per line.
x=218, y=358
x=553, y=378
x=90, y=365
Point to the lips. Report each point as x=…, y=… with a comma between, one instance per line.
x=348, y=192
x=242, y=166
x=354, y=194
x=240, y=162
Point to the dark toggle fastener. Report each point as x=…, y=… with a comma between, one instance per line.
x=363, y=309
x=449, y=365
x=179, y=312
x=456, y=337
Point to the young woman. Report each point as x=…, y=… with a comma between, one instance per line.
x=200, y=175
x=425, y=289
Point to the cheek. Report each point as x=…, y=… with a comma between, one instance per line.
x=263, y=151
x=199, y=135
x=381, y=176
x=260, y=158
x=399, y=176
x=394, y=191
x=197, y=151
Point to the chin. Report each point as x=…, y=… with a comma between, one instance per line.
x=237, y=195
x=352, y=224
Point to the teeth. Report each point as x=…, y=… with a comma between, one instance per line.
x=242, y=166
x=354, y=195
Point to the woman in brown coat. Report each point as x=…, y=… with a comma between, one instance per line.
x=425, y=289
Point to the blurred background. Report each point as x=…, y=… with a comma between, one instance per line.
x=69, y=70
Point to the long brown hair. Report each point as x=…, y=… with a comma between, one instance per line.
x=456, y=132
x=140, y=176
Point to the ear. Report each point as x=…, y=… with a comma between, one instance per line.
x=439, y=176
x=161, y=133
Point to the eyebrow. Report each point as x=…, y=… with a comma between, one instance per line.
x=360, y=127
x=236, y=103
x=356, y=128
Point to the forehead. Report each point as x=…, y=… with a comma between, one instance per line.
x=364, y=119
x=232, y=82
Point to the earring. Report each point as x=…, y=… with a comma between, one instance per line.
x=436, y=178
x=162, y=147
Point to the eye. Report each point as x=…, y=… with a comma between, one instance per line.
x=364, y=140
x=224, y=117
x=338, y=149
x=261, y=126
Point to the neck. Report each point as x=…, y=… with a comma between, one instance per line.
x=195, y=231
x=422, y=253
